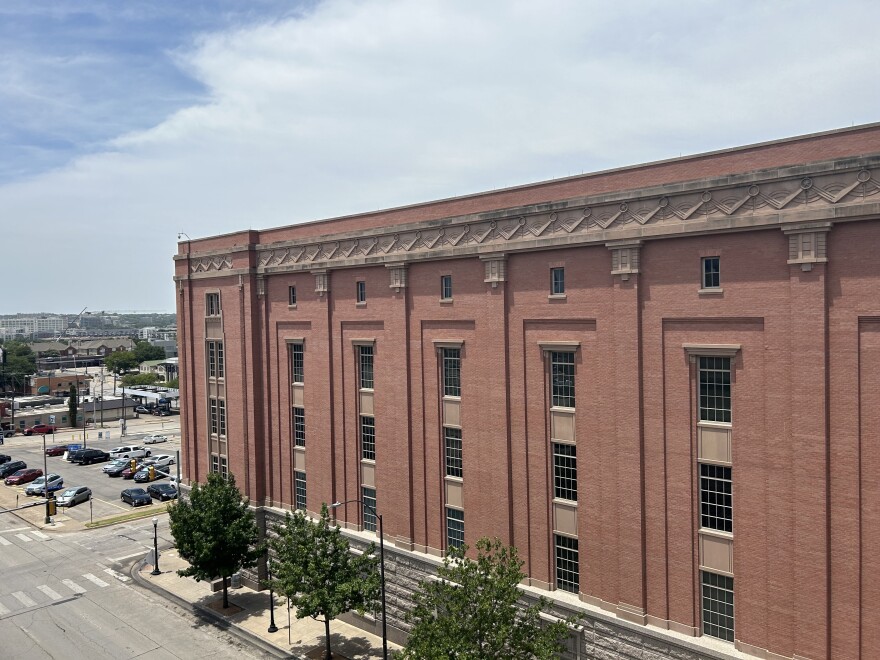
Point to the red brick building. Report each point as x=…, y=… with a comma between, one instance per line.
x=661, y=383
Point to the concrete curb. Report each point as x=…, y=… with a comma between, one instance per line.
x=210, y=616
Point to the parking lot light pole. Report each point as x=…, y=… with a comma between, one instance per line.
x=46, y=480
x=272, y=627
x=381, y=569
x=155, y=570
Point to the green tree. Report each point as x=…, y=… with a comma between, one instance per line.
x=215, y=531
x=19, y=358
x=73, y=406
x=121, y=361
x=312, y=564
x=130, y=380
x=144, y=351
x=473, y=611
x=174, y=383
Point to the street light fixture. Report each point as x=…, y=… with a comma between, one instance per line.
x=155, y=570
x=336, y=505
x=272, y=627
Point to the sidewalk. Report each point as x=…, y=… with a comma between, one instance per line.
x=248, y=616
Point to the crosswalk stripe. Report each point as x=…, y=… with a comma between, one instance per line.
x=24, y=537
x=117, y=575
x=4, y=541
x=24, y=599
x=40, y=535
x=3, y=610
x=51, y=593
x=73, y=586
x=96, y=580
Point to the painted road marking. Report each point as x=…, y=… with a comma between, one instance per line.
x=40, y=535
x=24, y=599
x=26, y=539
x=73, y=586
x=51, y=593
x=119, y=560
x=96, y=580
x=4, y=541
x=117, y=575
x=3, y=610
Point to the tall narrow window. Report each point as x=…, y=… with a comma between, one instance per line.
x=214, y=416
x=291, y=296
x=221, y=361
x=297, y=371
x=299, y=427
x=716, y=497
x=368, y=497
x=453, y=452
x=368, y=438
x=221, y=417
x=565, y=471
x=212, y=304
x=711, y=272
x=557, y=281
x=452, y=372
x=366, y=365
x=362, y=292
x=299, y=480
x=567, y=566
x=454, y=528
x=715, y=389
x=446, y=287
x=219, y=465
x=562, y=377
x=717, y=606
x=212, y=359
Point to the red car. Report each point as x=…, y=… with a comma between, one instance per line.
x=39, y=429
x=56, y=450
x=128, y=473
x=23, y=476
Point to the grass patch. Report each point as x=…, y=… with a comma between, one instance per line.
x=137, y=514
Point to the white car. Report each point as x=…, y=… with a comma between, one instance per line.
x=129, y=451
x=162, y=460
x=153, y=439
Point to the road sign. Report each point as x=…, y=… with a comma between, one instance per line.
x=51, y=419
x=71, y=448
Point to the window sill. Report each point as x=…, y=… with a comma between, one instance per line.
x=368, y=461
x=293, y=306
x=361, y=304
x=449, y=397
x=562, y=409
x=706, y=531
x=559, y=500
x=714, y=291
x=556, y=296
x=366, y=390
x=456, y=480
x=714, y=425
x=445, y=301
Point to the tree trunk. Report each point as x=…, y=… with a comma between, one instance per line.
x=327, y=652
x=225, y=594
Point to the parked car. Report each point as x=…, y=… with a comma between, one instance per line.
x=161, y=460
x=153, y=439
x=129, y=451
x=135, y=496
x=115, y=463
x=162, y=492
x=56, y=450
x=89, y=456
x=39, y=429
x=163, y=412
x=11, y=467
x=143, y=410
x=116, y=469
x=74, y=495
x=143, y=475
x=8, y=433
x=129, y=472
x=23, y=476
x=38, y=486
x=5, y=458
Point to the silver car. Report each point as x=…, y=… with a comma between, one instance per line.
x=38, y=486
x=153, y=439
x=73, y=496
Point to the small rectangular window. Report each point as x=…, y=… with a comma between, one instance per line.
x=297, y=371
x=451, y=372
x=454, y=528
x=291, y=295
x=366, y=367
x=565, y=472
x=299, y=427
x=562, y=378
x=446, y=287
x=299, y=479
x=557, y=281
x=452, y=440
x=715, y=389
x=368, y=497
x=716, y=497
x=567, y=564
x=212, y=304
x=368, y=438
x=717, y=606
x=362, y=292
x=711, y=272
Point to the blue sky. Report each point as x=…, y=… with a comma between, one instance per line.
x=124, y=123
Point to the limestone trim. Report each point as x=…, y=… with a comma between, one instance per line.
x=397, y=273
x=496, y=268
x=448, y=343
x=368, y=341
x=807, y=244
x=624, y=258
x=711, y=350
x=322, y=282
x=559, y=346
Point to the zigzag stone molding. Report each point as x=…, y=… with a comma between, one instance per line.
x=590, y=220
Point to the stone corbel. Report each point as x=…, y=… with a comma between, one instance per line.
x=322, y=282
x=397, y=273
x=807, y=243
x=496, y=269
x=624, y=258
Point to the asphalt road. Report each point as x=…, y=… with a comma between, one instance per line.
x=69, y=595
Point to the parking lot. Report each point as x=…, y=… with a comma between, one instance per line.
x=105, y=490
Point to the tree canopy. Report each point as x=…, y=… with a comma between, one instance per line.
x=215, y=531
x=129, y=380
x=121, y=361
x=144, y=351
x=474, y=611
x=312, y=564
x=73, y=406
x=20, y=360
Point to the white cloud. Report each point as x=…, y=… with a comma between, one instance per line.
x=360, y=105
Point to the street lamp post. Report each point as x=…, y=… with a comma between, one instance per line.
x=155, y=570
x=272, y=627
x=381, y=569
x=46, y=481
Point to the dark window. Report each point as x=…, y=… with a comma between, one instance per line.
x=219, y=465
x=565, y=471
x=368, y=496
x=714, y=389
x=368, y=438
x=452, y=372
x=296, y=363
x=454, y=528
x=299, y=479
x=711, y=272
x=291, y=295
x=446, y=287
x=453, y=452
x=557, y=281
x=366, y=360
x=221, y=417
x=299, y=427
x=361, y=292
x=216, y=366
x=221, y=362
x=567, y=567
x=212, y=304
x=717, y=606
x=214, y=417
x=716, y=495
x=562, y=374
